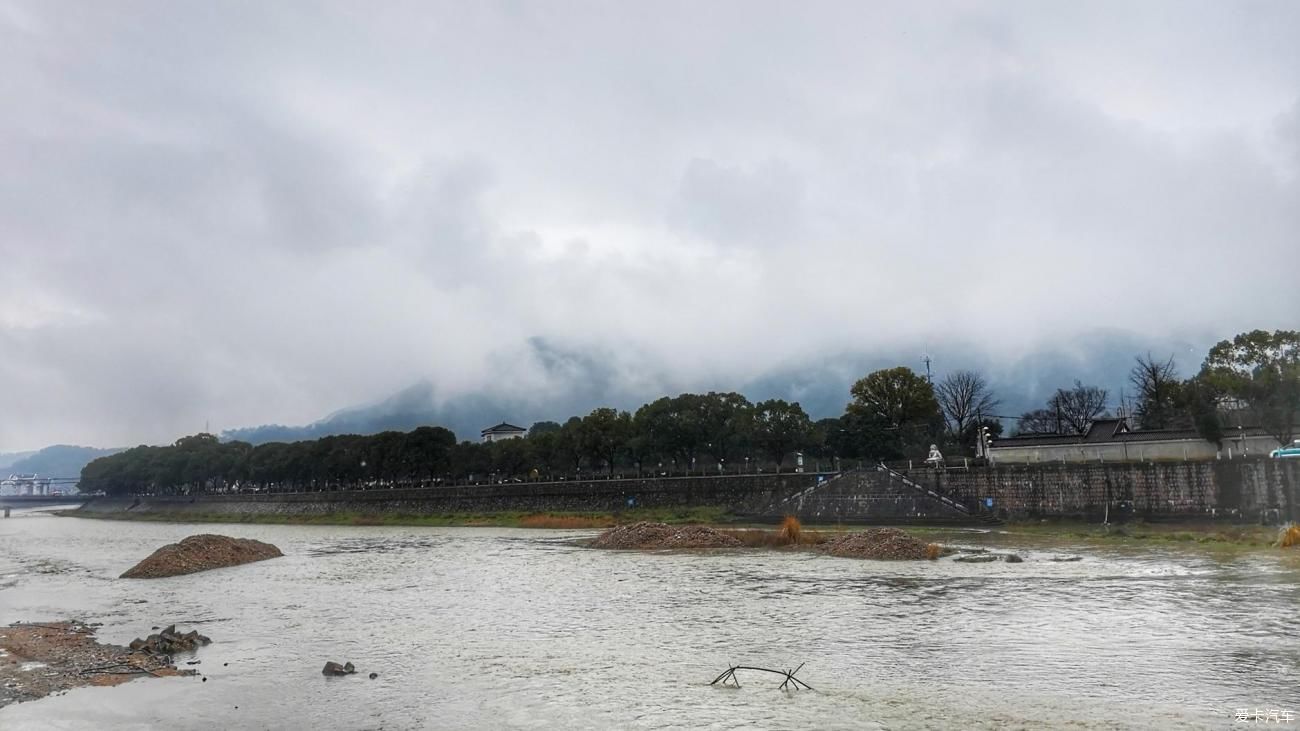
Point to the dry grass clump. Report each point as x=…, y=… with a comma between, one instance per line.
x=546, y=520
x=1290, y=536
x=933, y=551
x=791, y=529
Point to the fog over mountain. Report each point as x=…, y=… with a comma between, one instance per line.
x=59, y=460
x=578, y=382
x=236, y=214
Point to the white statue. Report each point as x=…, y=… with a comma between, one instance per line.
x=935, y=459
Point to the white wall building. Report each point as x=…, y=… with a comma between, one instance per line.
x=1111, y=440
x=502, y=431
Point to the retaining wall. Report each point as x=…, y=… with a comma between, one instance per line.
x=740, y=494
x=1249, y=490
x=1241, y=490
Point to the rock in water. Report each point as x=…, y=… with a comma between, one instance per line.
x=982, y=558
x=200, y=553
x=333, y=668
x=169, y=642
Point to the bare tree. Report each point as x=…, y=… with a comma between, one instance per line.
x=1038, y=421
x=1077, y=407
x=964, y=395
x=1158, y=391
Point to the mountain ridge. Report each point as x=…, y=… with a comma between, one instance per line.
x=821, y=385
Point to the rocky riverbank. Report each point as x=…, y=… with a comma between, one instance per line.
x=39, y=659
x=201, y=553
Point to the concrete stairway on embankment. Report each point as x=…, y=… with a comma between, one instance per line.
x=876, y=495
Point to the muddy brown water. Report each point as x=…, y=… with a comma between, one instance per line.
x=499, y=628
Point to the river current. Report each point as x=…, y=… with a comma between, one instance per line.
x=499, y=628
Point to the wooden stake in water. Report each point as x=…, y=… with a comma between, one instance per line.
x=790, y=682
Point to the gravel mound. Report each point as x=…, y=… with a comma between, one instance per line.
x=200, y=553
x=661, y=535
x=878, y=543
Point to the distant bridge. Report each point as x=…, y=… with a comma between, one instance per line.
x=72, y=498
x=36, y=501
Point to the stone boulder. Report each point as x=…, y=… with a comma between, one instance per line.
x=169, y=642
x=333, y=668
x=200, y=553
x=978, y=558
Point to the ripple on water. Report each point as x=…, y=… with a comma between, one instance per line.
x=491, y=628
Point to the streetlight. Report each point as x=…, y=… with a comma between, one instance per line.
x=986, y=442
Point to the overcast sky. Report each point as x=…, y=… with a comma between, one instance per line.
x=261, y=212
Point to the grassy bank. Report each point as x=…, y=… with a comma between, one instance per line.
x=1155, y=533
x=700, y=515
x=1136, y=533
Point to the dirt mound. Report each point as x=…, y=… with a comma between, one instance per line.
x=878, y=543
x=661, y=535
x=200, y=553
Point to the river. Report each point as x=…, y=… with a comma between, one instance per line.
x=501, y=628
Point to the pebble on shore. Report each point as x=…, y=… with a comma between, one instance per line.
x=37, y=660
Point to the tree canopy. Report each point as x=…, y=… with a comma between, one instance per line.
x=893, y=413
x=1262, y=370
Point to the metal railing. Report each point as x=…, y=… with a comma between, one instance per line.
x=909, y=482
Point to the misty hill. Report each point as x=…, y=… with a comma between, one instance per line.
x=405, y=410
x=60, y=460
x=580, y=381
x=8, y=458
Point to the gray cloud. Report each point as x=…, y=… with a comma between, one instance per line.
x=761, y=207
x=253, y=213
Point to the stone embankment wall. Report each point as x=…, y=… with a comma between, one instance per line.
x=1239, y=490
x=740, y=494
x=1245, y=489
x=868, y=496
